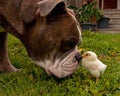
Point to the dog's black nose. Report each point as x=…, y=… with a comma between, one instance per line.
x=78, y=56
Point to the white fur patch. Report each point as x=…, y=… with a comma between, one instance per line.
x=60, y=68
x=44, y=64
x=79, y=33
x=79, y=30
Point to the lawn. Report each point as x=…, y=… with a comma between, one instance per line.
x=33, y=81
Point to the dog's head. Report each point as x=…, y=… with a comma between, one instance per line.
x=54, y=37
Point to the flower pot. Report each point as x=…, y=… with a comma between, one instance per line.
x=88, y=26
x=103, y=23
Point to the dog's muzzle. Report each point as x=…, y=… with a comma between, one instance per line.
x=67, y=66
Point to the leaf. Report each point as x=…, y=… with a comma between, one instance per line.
x=2, y=29
x=72, y=7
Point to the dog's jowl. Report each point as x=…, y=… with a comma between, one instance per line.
x=47, y=29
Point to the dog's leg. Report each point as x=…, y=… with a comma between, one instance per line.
x=5, y=65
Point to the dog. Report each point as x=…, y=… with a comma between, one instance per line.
x=48, y=30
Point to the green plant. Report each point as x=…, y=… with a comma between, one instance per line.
x=88, y=13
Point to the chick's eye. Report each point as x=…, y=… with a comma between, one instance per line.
x=87, y=54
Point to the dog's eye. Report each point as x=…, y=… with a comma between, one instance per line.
x=70, y=44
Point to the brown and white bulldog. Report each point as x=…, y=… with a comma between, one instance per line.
x=48, y=30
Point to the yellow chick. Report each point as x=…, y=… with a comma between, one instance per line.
x=93, y=64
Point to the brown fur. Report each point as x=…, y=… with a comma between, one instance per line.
x=41, y=35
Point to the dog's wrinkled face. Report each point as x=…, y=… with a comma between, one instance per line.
x=57, y=33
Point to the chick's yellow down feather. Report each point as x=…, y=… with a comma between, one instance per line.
x=93, y=64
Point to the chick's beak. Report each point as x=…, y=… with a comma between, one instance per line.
x=83, y=56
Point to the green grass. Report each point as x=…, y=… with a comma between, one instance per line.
x=33, y=81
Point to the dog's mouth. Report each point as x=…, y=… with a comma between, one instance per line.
x=67, y=66
x=73, y=57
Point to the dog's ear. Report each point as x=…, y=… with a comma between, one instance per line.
x=46, y=6
x=27, y=11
